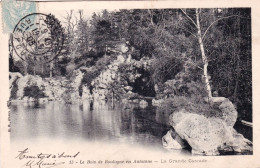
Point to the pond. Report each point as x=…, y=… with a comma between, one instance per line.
x=97, y=121
x=90, y=121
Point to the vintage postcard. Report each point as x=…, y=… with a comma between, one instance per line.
x=129, y=84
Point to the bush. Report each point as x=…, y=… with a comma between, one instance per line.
x=33, y=91
x=14, y=89
x=102, y=63
x=194, y=104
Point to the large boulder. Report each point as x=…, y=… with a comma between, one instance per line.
x=207, y=135
x=228, y=110
x=172, y=141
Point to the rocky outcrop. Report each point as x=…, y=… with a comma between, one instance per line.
x=101, y=83
x=13, y=76
x=113, y=81
x=208, y=135
x=27, y=81
x=53, y=89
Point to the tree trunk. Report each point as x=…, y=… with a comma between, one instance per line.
x=42, y=70
x=25, y=68
x=238, y=69
x=34, y=69
x=51, y=69
x=204, y=58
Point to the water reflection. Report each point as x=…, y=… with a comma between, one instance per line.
x=92, y=121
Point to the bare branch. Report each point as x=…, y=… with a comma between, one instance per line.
x=189, y=18
x=219, y=20
x=80, y=14
x=151, y=16
x=161, y=32
x=194, y=35
x=194, y=65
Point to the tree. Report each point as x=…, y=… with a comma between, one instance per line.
x=200, y=35
x=57, y=38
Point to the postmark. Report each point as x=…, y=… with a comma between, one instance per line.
x=38, y=37
x=12, y=11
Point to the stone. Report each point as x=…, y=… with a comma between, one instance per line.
x=130, y=95
x=128, y=88
x=12, y=77
x=26, y=81
x=156, y=102
x=25, y=98
x=120, y=59
x=31, y=99
x=172, y=141
x=136, y=100
x=143, y=103
x=86, y=93
x=228, y=110
x=43, y=100
x=206, y=135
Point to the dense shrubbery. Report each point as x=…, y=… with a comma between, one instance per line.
x=187, y=93
x=13, y=94
x=34, y=92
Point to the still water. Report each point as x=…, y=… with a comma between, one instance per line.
x=89, y=121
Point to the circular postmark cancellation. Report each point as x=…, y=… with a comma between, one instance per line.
x=38, y=37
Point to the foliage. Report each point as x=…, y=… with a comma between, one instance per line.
x=13, y=94
x=168, y=38
x=89, y=76
x=193, y=104
x=33, y=91
x=66, y=96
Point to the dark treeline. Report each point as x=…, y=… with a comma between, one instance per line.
x=209, y=44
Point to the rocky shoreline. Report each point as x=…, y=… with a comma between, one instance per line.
x=207, y=135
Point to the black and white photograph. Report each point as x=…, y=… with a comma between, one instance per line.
x=168, y=81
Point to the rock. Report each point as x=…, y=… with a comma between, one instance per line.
x=129, y=58
x=86, y=93
x=99, y=94
x=228, y=110
x=43, y=100
x=206, y=135
x=136, y=100
x=156, y=102
x=172, y=141
x=128, y=88
x=26, y=81
x=120, y=59
x=241, y=144
x=124, y=48
x=12, y=77
x=124, y=100
x=31, y=99
x=130, y=95
x=143, y=103
x=25, y=99
x=118, y=75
